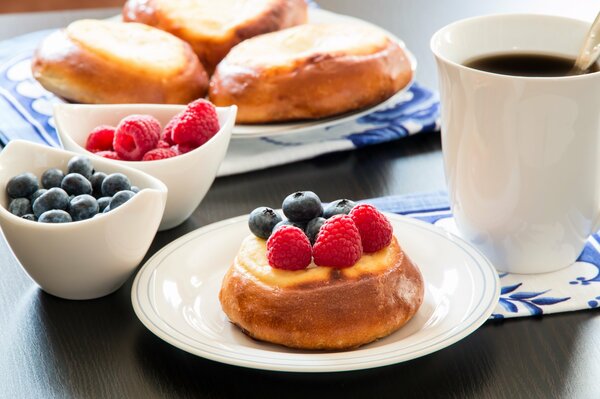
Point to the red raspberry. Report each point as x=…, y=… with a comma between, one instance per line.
x=338, y=243
x=166, y=133
x=194, y=125
x=100, y=139
x=375, y=230
x=136, y=135
x=288, y=248
x=163, y=144
x=159, y=153
x=108, y=154
x=183, y=148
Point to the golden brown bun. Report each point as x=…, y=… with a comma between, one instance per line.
x=112, y=62
x=213, y=27
x=308, y=72
x=321, y=307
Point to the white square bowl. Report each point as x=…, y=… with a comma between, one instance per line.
x=85, y=259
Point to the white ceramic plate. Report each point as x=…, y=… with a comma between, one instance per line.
x=175, y=295
x=275, y=129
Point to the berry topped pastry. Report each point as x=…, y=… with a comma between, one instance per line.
x=327, y=278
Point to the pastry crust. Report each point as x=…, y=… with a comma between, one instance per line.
x=101, y=62
x=321, y=307
x=213, y=27
x=309, y=72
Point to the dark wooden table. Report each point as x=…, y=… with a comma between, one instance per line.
x=51, y=347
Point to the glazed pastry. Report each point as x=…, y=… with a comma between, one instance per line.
x=321, y=307
x=213, y=27
x=309, y=72
x=99, y=62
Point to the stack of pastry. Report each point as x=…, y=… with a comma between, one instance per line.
x=264, y=57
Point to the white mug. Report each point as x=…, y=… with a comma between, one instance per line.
x=521, y=154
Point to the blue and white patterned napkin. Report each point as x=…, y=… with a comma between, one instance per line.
x=575, y=288
x=26, y=110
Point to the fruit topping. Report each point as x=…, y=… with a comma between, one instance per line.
x=375, y=230
x=262, y=221
x=302, y=206
x=195, y=125
x=22, y=185
x=100, y=139
x=159, y=153
x=338, y=243
x=313, y=227
x=288, y=248
x=287, y=222
x=135, y=135
x=338, y=207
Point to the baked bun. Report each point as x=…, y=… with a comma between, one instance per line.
x=310, y=71
x=213, y=27
x=321, y=307
x=98, y=62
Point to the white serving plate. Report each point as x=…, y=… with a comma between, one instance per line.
x=316, y=15
x=175, y=295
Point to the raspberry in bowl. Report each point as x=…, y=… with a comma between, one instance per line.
x=185, y=162
x=325, y=278
x=88, y=256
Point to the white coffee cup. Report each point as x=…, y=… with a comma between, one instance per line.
x=521, y=154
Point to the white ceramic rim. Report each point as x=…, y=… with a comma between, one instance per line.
x=305, y=363
x=241, y=131
x=436, y=38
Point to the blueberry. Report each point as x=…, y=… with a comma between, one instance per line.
x=135, y=189
x=22, y=186
x=313, y=227
x=37, y=195
x=302, y=206
x=338, y=207
x=82, y=165
x=83, y=207
x=287, y=222
x=103, y=203
x=55, y=216
x=96, y=180
x=54, y=198
x=52, y=178
x=120, y=198
x=20, y=206
x=29, y=216
x=114, y=183
x=262, y=221
x=76, y=184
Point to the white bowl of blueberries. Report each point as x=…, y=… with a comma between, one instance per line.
x=79, y=227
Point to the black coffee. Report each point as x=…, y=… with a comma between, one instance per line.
x=526, y=64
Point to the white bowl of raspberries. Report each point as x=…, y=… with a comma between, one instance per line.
x=78, y=226
x=183, y=146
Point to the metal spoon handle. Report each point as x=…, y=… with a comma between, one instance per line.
x=591, y=47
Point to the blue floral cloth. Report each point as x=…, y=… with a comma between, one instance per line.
x=26, y=110
x=575, y=288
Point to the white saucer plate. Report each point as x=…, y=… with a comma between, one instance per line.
x=276, y=129
x=175, y=295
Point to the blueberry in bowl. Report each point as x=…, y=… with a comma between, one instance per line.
x=80, y=252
